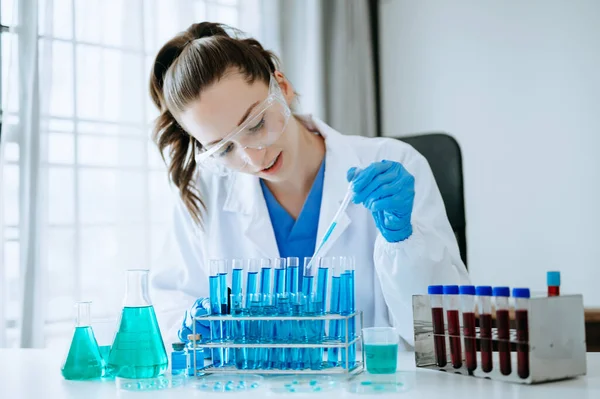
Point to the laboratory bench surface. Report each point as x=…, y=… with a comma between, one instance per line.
x=35, y=373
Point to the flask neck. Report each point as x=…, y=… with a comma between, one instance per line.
x=136, y=294
x=84, y=317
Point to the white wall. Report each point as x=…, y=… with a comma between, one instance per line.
x=517, y=82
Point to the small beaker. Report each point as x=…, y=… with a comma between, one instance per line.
x=381, y=349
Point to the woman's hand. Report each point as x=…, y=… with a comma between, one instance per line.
x=200, y=308
x=388, y=191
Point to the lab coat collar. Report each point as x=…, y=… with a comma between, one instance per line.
x=244, y=194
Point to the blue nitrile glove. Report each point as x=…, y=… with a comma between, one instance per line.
x=388, y=191
x=200, y=308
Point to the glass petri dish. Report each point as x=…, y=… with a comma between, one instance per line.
x=228, y=383
x=372, y=384
x=143, y=384
x=302, y=384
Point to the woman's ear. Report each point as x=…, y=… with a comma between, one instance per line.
x=286, y=87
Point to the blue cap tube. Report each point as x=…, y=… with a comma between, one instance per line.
x=553, y=279
x=501, y=291
x=435, y=290
x=467, y=289
x=451, y=290
x=483, y=290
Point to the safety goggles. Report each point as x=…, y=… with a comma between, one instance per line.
x=261, y=129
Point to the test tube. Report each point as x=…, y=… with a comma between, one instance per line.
x=253, y=304
x=468, y=306
x=292, y=275
x=237, y=275
x=452, y=304
x=291, y=287
x=239, y=330
x=334, y=308
x=216, y=330
x=348, y=327
x=280, y=327
x=255, y=331
x=310, y=326
x=553, y=280
x=501, y=295
x=522, y=296
x=436, y=300
x=266, y=276
x=484, y=300
x=299, y=333
x=325, y=264
x=236, y=304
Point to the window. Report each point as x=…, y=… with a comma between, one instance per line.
x=104, y=195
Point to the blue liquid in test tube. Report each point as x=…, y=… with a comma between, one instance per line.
x=266, y=284
x=237, y=309
x=254, y=304
x=216, y=331
x=347, y=308
x=321, y=299
x=291, y=288
x=334, y=308
x=280, y=328
x=310, y=327
x=224, y=275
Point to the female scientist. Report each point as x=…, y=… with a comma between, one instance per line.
x=256, y=181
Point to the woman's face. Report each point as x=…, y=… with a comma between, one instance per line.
x=226, y=105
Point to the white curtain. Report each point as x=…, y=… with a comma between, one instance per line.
x=326, y=50
x=84, y=192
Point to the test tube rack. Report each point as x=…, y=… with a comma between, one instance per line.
x=557, y=348
x=343, y=345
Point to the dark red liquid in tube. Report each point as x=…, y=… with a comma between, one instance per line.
x=470, y=345
x=485, y=332
x=503, y=327
x=523, y=345
x=439, y=336
x=553, y=291
x=454, y=333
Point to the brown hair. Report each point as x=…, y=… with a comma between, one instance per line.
x=184, y=66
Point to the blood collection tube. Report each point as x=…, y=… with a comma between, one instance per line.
x=501, y=295
x=468, y=306
x=522, y=296
x=484, y=294
x=452, y=304
x=553, y=280
x=437, y=315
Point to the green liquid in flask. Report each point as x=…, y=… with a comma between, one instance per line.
x=138, y=350
x=83, y=361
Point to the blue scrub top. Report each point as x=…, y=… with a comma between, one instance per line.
x=297, y=237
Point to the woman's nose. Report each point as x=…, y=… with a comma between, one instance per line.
x=255, y=157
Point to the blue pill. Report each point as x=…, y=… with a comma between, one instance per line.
x=254, y=385
x=312, y=383
x=366, y=383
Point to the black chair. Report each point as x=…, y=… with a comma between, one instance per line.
x=444, y=156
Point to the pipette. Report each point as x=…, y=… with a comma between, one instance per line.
x=334, y=222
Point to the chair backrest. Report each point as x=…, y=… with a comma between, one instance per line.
x=444, y=156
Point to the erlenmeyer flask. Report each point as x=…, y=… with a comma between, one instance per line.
x=83, y=362
x=138, y=350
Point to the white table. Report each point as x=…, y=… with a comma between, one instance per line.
x=33, y=373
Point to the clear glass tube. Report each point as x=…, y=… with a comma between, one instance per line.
x=237, y=276
x=266, y=276
x=292, y=276
x=503, y=329
x=522, y=323
x=468, y=307
x=436, y=300
x=484, y=303
x=346, y=308
x=334, y=332
x=452, y=306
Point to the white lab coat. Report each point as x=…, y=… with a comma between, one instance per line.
x=387, y=274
